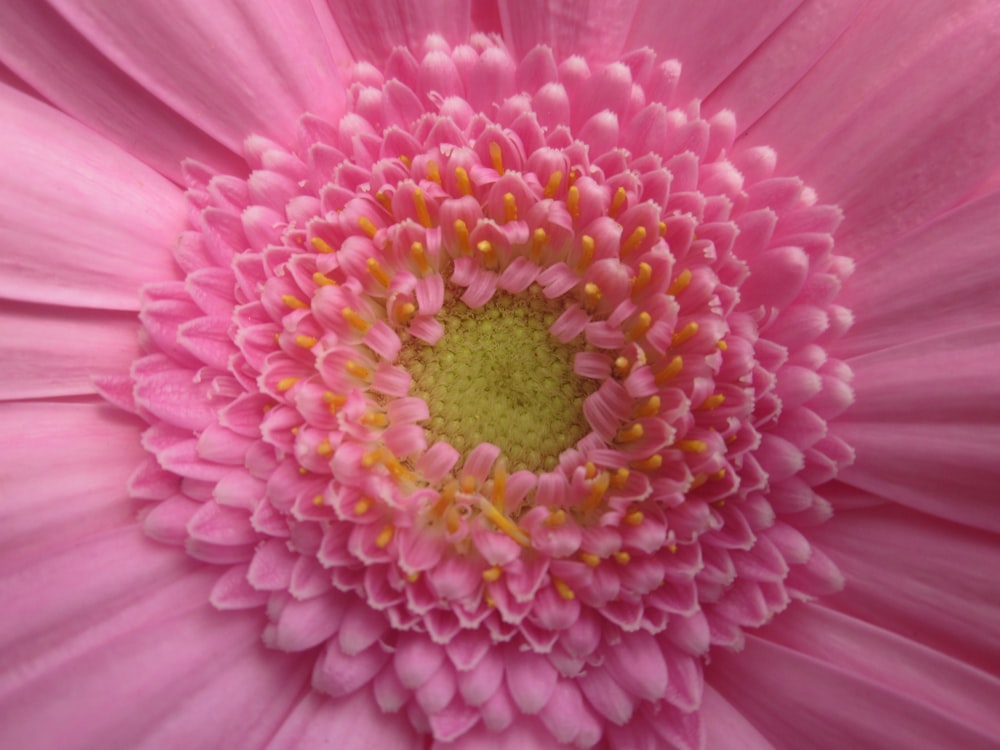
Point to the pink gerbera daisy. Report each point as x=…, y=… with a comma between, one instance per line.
x=509, y=376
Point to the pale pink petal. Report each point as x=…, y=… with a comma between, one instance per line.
x=218, y=65
x=727, y=728
x=117, y=218
x=595, y=30
x=53, y=351
x=65, y=69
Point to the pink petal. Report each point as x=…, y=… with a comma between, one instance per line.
x=117, y=218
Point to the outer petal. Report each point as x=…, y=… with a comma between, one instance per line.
x=595, y=30
x=81, y=222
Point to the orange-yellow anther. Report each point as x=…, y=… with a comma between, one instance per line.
x=573, y=201
x=652, y=463
x=713, y=402
x=356, y=321
x=285, y=383
x=420, y=205
x=722, y=345
x=369, y=459
x=321, y=280
x=539, y=238
x=642, y=278
x=663, y=228
x=563, y=589
x=685, y=334
x=384, y=537
x=720, y=474
x=619, y=478
x=679, y=284
x=374, y=419
x=306, y=342
x=295, y=430
x=413, y=577
x=464, y=183
x=634, y=240
x=503, y=523
x=334, y=401
x=491, y=575
x=462, y=235
x=303, y=470
x=362, y=506
x=622, y=557
x=406, y=160
x=590, y=559
x=405, y=313
x=321, y=245
x=433, y=172
x=324, y=448
x=468, y=484
x=591, y=295
x=359, y=371
x=622, y=367
x=377, y=272
x=384, y=200
x=552, y=186
x=650, y=407
x=672, y=370
x=496, y=157
x=486, y=250
x=590, y=470
x=691, y=446
x=631, y=433
x=317, y=500
x=634, y=518
x=586, y=251
x=293, y=302
x=556, y=519
x=499, y=484
x=617, y=201
x=367, y=226
x=419, y=255
x=509, y=207
x=597, y=489
x=642, y=324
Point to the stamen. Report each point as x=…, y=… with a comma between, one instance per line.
x=433, y=173
x=318, y=500
x=367, y=226
x=509, y=207
x=634, y=240
x=358, y=371
x=685, y=334
x=306, y=342
x=464, y=183
x=597, y=489
x=503, y=523
x=384, y=200
x=586, y=251
x=321, y=245
x=378, y=273
x=641, y=279
x=362, y=506
x=468, y=484
x=590, y=470
x=590, y=559
x=652, y=463
x=499, y=484
x=324, y=448
x=650, y=408
x=720, y=474
x=384, y=537
x=374, y=419
x=699, y=479
x=563, y=589
x=713, y=402
x=635, y=518
x=691, y=446
x=485, y=248
x=617, y=201
x=334, y=401
x=462, y=233
x=663, y=228
x=722, y=345
x=539, y=238
x=622, y=557
x=639, y=328
x=491, y=575
x=419, y=255
x=630, y=434
x=573, y=201
x=420, y=204
x=680, y=283
x=619, y=478
x=622, y=367
x=286, y=383
x=552, y=186
x=293, y=302
x=672, y=369
x=556, y=519
x=405, y=313
x=321, y=280
x=357, y=322
x=406, y=160
x=496, y=157
x=591, y=295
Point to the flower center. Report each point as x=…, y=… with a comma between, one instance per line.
x=498, y=376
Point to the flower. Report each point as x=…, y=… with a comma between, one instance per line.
x=311, y=429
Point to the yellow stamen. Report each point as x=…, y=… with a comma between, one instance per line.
x=713, y=402
x=464, y=183
x=355, y=320
x=419, y=255
x=413, y=577
x=619, y=478
x=722, y=345
x=462, y=234
x=589, y=470
x=503, y=523
x=591, y=295
x=663, y=228
x=631, y=433
x=552, y=186
x=641, y=325
x=685, y=334
x=573, y=201
x=680, y=283
x=293, y=302
x=491, y=575
x=617, y=201
x=321, y=280
x=496, y=157
x=384, y=537
x=367, y=226
x=622, y=557
x=358, y=371
x=420, y=204
x=334, y=401
x=538, y=240
x=374, y=419
x=635, y=518
x=622, y=367
x=563, y=589
x=556, y=518
x=509, y=207
x=324, y=448
x=295, y=430
x=303, y=470
x=285, y=383
x=452, y=519
x=485, y=248
x=433, y=173
x=634, y=240
x=590, y=559
x=405, y=313
x=377, y=272
x=586, y=251
x=306, y=342
x=468, y=484
x=669, y=372
x=652, y=463
x=384, y=200
x=720, y=474
x=489, y=600
x=362, y=506
x=321, y=245
x=406, y=160
x=691, y=446
x=369, y=459
x=597, y=489
x=642, y=278
x=317, y=500
x=650, y=408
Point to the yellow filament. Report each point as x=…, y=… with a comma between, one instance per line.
x=377, y=272
x=321, y=245
x=462, y=234
x=669, y=372
x=509, y=207
x=317, y=500
x=573, y=201
x=406, y=160
x=285, y=383
x=631, y=433
x=491, y=575
x=650, y=408
x=367, y=227
x=362, y=506
x=419, y=255
x=496, y=157
x=356, y=321
x=652, y=463
x=642, y=279
x=552, y=186
x=321, y=280
x=720, y=474
x=358, y=371
x=334, y=401
x=433, y=173
x=413, y=577
x=420, y=204
x=685, y=334
x=375, y=419
x=713, y=402
x=464, y=183
x=324, y=448
x=563, y=589
x=617, y=201
x=293, y=302
x=306, y=342
x=680, y=283
x=634, y=518
x=503, y=523
x=641, y=325
x=663, y=228
x=722, y=345
x=691, y=446
x=384, y=537
x=634, y=240
x=384, y=200
x=468, y=484
x=589, y=470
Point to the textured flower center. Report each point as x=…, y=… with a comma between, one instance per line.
x=498, y=376
x=509, y=388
